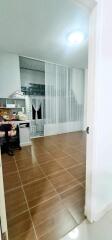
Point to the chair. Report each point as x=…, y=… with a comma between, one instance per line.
x=10, y=140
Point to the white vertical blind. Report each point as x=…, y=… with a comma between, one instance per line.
x=50, y=93
x=64, y=94
x=76, y=95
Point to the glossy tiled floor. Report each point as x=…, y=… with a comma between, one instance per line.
x=44, y=187
x=101, y=230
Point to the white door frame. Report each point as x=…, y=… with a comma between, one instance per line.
x=90, y=91
x=90, y=118
x=2, y=203
x=93, y=70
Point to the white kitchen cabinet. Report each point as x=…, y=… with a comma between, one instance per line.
x=24, y=132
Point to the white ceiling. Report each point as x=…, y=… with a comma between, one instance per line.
x=39, y=29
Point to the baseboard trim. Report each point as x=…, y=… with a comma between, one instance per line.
x=26, y=144
x=88, y=215
x=104, y=211
x=99, y=215
x=60, y=128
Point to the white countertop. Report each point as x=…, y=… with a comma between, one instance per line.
x=17, y=122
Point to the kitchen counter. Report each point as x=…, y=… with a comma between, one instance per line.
x=20, y=121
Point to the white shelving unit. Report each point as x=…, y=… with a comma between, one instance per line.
x=13, y=104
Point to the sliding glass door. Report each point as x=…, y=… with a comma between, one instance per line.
x=64, y=98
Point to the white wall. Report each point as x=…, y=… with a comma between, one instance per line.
x=9, y=74
x=99, y=160
x=29, y=76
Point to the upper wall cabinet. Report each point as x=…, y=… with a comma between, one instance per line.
x=9, y=74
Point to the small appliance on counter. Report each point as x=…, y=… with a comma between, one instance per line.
x=22, y=116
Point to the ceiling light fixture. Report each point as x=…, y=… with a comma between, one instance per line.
x=76, y=37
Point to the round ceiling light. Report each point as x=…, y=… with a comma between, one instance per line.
x=76, y=37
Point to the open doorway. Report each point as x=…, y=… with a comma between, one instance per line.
x=51, y=173
x=32, y=74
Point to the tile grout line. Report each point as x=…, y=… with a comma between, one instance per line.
x=26, y=201
x=61, y=200
x=68, y=155
x=46, y=176
x=70, y=188
x=52, y=186
x=48, y=180
x=54, y=159
x=57, y=195
x=66, y=170
x=72, y=157
x=26, y=184
x=12, y=189
x=17, y=215
x=77, y=184
x=82, y=185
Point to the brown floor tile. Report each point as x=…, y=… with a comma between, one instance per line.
x=28, y=235
x=26, y=163
x=6, y=158
x=44, y=158
x=57, y=204
x=37, y=150
x=78, y=156
x=46, y=210
x=56, y=226
x=78, y=172
x=24, y=153
x=19, y=225
x=31, y=174
x=11, y=181
x=38, y=192
x=43, y=152
x=77, y=211
x=51, y=168
x=62, y=181
x=73, y=196
x=52, y=149
x=67, y=162
x=61, y=146
x=59, y=154
x=83, y=184
x=15, y=203
x=9, y=167
x=67, y=147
